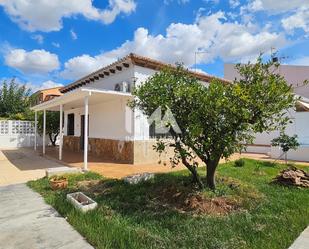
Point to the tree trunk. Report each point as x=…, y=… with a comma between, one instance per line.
x=53, y=139
x=211, y=172
x=210, y=177
x=197, y=179
x=195, y=176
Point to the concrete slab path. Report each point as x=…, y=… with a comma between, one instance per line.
x=22, y=165
x=27, y=222
x=302, y=242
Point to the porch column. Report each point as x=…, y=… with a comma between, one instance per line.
x=44, y=130
x=61, y=132
x=35, y=129
x=86, y=135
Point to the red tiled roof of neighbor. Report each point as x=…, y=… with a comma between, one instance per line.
x=125, y=63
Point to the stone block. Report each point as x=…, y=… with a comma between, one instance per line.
x=81, y=201
x=135, y=179
x=61, y=171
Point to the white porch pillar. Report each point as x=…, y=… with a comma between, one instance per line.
x=35, y=129
x=61, y=132
x=86, y=135
x=44, y=130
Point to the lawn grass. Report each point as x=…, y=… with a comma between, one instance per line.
x=130, y=217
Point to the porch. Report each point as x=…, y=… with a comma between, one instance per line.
x=106, y=168
x=91, y=120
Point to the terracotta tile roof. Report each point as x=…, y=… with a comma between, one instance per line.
x=125, y=63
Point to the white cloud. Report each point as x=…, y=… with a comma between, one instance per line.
x=47, y=16
x=198, y=70
x=36, y=87
x=48, y=84
x=212, y=1
x=82, y=65
x=300, y=19
x=33, y=62
x=38, y=38
x=167, y=2
x=73, y=34
x=274, y=6
x=234, y=3
x=56, y=44
x=298, y=10
x=116, y=7
x=32, y=86
x=212, y=34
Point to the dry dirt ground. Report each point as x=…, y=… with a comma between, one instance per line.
x=20, y=165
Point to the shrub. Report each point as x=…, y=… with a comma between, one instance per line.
x=267, y=164
x=239, y=163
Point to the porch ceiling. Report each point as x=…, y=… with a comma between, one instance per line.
x=75, y=99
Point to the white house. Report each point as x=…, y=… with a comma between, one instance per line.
x=97, y=119
x=296, y=76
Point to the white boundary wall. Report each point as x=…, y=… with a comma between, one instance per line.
x=17, y=133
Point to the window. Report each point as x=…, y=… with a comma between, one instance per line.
x=70, y=131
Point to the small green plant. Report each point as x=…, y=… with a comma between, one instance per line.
x=267, y=163
x=257, y=170
x=286, y=143
x=239, y=162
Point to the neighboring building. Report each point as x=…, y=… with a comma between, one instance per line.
x=296, y=76
x=44, y=95
x=98, y=103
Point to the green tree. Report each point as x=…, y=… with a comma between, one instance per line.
x=286, y=143
x=218, y=120
x=14, y=99
x=52, y=125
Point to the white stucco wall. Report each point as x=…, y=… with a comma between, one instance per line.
x=110, y=120
x=141, y=126
x=301, y=129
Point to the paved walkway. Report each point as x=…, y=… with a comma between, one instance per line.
x=22, y=165
x=302, y=242
x=26, y=222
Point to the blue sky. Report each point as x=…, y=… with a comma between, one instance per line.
x=47, y=43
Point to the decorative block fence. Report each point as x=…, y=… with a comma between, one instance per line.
x=17, y=133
